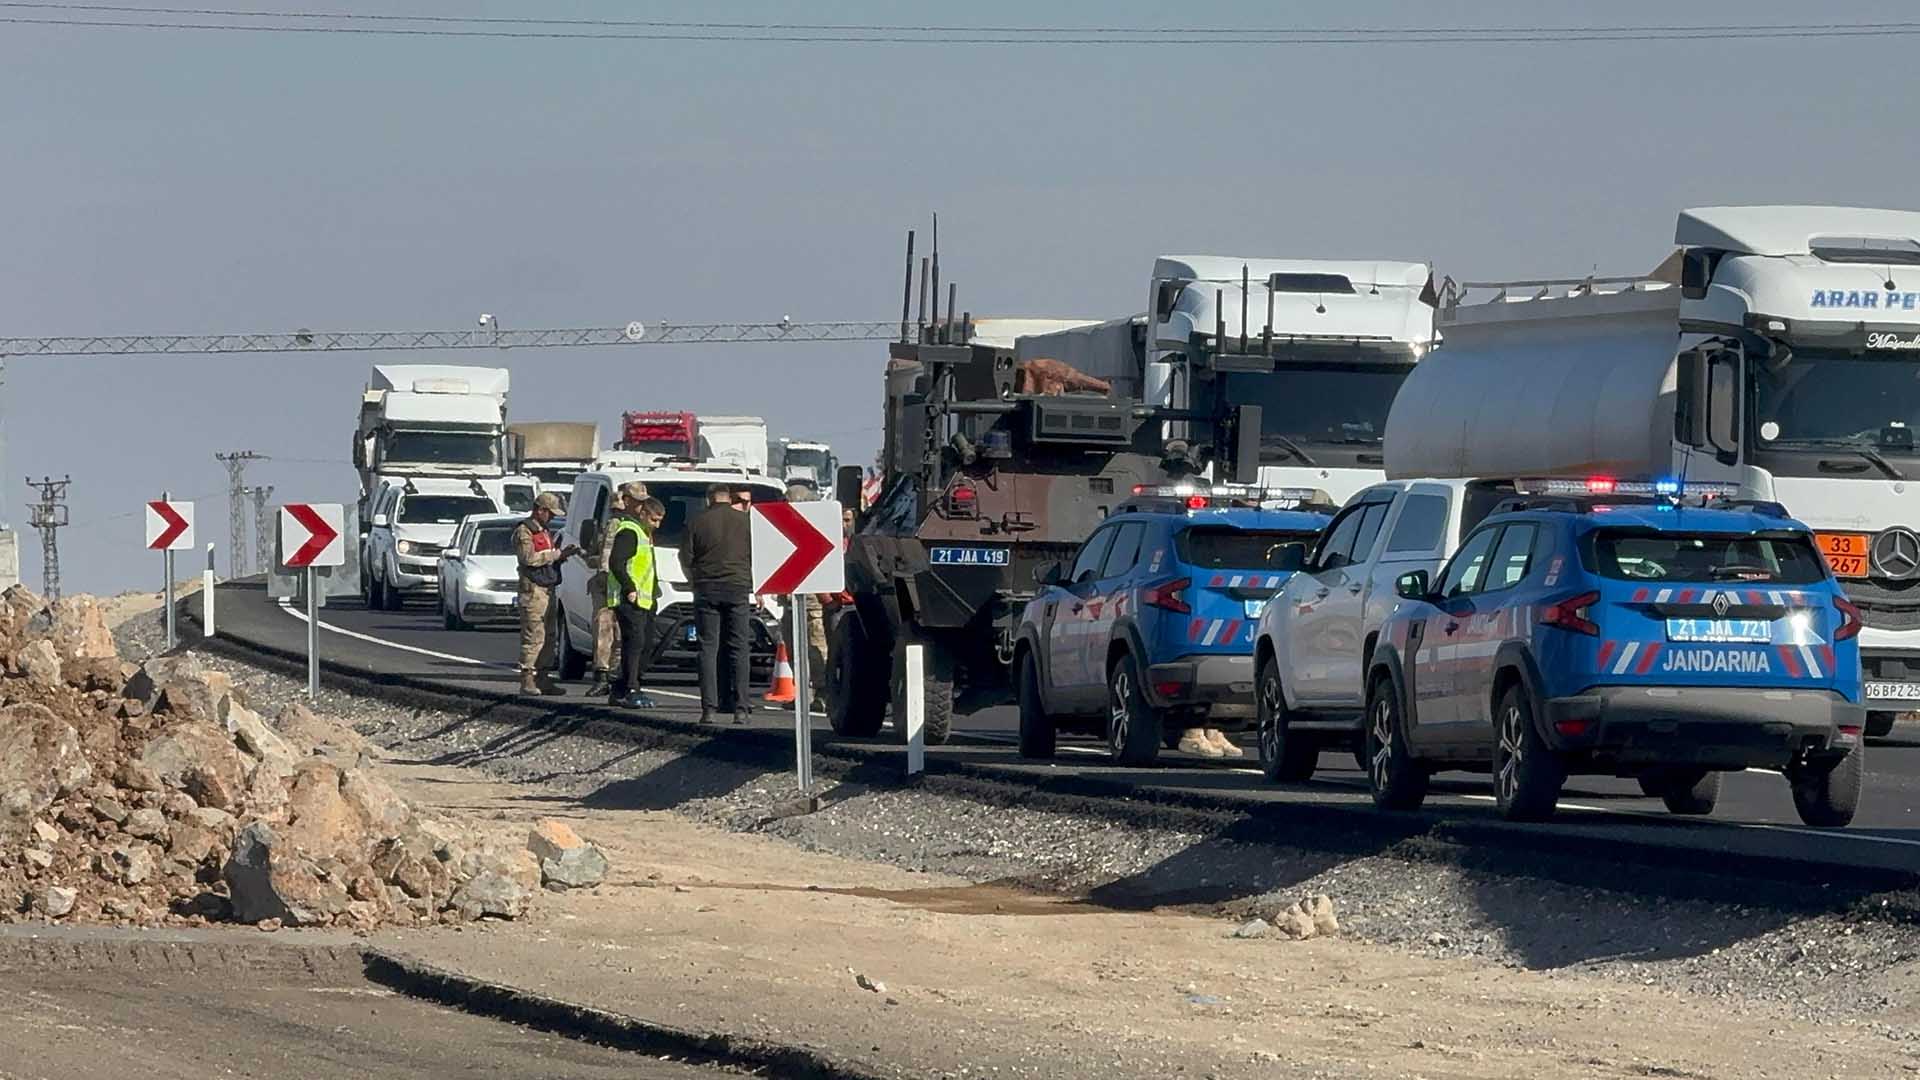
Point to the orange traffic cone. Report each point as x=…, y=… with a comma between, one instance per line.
x=783, y=688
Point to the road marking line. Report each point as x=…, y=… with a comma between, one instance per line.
x=1831, y=834
x=287, y=606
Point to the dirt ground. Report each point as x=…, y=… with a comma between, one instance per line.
x=753, y=936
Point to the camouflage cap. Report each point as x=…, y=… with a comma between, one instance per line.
x=633, y=493
x=547, y=501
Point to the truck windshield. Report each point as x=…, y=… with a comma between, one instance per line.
x=684, y=500
x=439, y=448
x=1702, y=557
x=1323, y=404
x=1821, y=397
x=442, y=509
x=1243, y=549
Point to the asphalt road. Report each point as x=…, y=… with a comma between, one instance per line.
x=191, y=1025
x=1755, y=815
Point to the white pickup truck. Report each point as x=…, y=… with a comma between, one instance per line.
x=1315, y=637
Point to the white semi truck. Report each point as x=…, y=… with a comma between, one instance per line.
x=735, y=440
x=807, y=462
x=1321, y=346
x=1778, y=348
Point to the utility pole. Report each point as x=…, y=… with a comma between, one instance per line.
x=236, y=463
x=49, y=515
x=262, y=535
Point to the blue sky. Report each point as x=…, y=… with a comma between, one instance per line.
x=184, y=182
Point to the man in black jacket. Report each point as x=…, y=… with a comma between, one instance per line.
x=717, y=559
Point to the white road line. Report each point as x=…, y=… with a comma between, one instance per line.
x=356, y=635
x=1830, y=834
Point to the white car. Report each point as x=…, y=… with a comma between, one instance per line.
x=412, y=522
x=1316, y=636
x=479, y=574
x=683, y=489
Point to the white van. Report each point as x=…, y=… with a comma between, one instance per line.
x=682, y=487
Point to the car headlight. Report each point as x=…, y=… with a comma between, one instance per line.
x=476, y=581
x=404, y=547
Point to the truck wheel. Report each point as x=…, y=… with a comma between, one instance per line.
x=1397, y=781
x=1285, y=755
x=572, y=662
x=1880, y=724
x=937, y=674
x=1827, y=793
x=1037, y=733
x=1527, y=773
x=1133, y=724
x=854, y=705
x=1685, y=791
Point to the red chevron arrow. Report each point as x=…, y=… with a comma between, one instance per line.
x=320, y=534
x=175, y=524
x=809, y=547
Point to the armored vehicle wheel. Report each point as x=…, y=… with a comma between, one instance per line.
x=937, y=674
x=855, y=706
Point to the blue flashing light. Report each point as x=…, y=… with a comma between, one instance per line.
x=1666, y=486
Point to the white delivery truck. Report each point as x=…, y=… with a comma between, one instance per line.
x=1778, y=349
x=735, y=440
x=1321, y=346
x=430, y=420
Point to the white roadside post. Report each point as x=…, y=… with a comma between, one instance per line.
x=916, y=719
x=169, y=529
x=311, y=536
x=206, y=595
x=798, y=551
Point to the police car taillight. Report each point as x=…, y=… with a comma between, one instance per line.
x=1849, y=619
x=1571, y=614
x=1166, y=595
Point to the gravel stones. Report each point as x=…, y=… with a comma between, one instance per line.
x=147, y=825
x=39, y=663
x=128, y=863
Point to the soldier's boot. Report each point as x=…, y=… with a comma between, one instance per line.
x=602, y=684
x=1194, y=741
x=544, y=681
x=529, y=685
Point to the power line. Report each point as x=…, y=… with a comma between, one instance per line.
x=634, y=333
x=910, y=28
x=1042, y=36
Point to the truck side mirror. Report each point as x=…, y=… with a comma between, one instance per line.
x=1411, y=585
x=380, y=521
x=846, y=487
x=1723, y=407
x=450, y=554
x=1246, y=444
x=1049, y=573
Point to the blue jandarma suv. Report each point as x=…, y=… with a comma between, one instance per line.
x=1147, y=631
x=1584, y=629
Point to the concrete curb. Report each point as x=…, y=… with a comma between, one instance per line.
x=416, y=979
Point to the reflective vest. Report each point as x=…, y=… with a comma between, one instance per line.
x=640, y=567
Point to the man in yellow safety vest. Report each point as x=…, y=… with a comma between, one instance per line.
x=633, y=589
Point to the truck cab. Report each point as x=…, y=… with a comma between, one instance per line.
x=1320, y=346
x=1777, y=348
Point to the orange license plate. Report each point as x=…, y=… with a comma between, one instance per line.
x=1845, y=552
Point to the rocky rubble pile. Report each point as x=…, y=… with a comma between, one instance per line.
x=154, y=794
